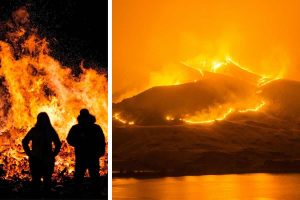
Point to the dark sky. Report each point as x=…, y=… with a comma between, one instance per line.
x=76, y=29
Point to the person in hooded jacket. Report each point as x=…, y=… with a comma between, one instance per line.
x=41, y=154
x=89, y=142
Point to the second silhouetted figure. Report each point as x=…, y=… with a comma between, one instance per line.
x=89, y=142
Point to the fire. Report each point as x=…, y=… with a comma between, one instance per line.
x=169, y=118
x=200, y=119
x=219, y=113
x=214, y=116
x=227, y=67
x=255, y=109
x=218, y=65
x=31, y=81
x=117, y=116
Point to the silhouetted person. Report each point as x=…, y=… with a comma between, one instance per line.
x=41, y=155
x=89, y=142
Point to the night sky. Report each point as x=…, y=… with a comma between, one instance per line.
x=76, y=29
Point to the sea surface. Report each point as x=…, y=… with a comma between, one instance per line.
x=260, y=186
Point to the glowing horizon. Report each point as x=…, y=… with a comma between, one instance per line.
x=152, y=39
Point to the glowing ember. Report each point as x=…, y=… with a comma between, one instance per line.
x=31, y=81
x=169, y=118
x=117, y=116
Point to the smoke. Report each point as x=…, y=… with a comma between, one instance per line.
x=150, y=35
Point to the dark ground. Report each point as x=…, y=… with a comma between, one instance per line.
x=247, y=144
x=21, y=189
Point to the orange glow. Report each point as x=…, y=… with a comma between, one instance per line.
x=36, y=82
x=227, y=67
x=151, y=37
x=255, y=109
x=117, y=116
x=200, y=119
x=218, y=115
x=169, y=118
x=232, y=186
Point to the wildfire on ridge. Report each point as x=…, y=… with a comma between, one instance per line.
x=217, y=112
x=208, y=117
x=31, y=81
x=214, y=65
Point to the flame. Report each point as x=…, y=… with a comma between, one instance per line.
x=169, y=118
x=202, y=64
x=117, y=117
x=255, y=109
x=215, y=112
x=220, y=112
x=198, y=119
x=31, y=81
x=210, y=118
x=216, y=65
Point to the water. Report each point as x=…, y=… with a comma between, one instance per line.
x=238, y=186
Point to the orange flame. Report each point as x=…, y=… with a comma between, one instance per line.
x=204, y=119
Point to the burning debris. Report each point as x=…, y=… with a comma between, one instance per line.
x=31, y=81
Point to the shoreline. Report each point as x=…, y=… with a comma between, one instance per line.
x=157, y=174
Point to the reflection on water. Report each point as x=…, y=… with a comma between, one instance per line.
x=245, y=186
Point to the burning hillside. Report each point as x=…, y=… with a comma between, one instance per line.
x=31, y=81
x=178, y=102
x=224, y=88
x=230, y=121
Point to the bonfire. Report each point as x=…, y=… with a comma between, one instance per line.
x=32, y=81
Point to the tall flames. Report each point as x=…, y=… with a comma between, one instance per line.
x=31, y=81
